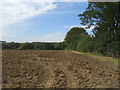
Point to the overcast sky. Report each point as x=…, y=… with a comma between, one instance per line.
x=38, y=21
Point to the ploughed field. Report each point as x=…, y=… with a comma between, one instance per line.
x=55, y=69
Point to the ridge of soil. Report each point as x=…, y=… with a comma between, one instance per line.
x=55, y=69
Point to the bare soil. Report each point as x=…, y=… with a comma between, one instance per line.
x=55, y=69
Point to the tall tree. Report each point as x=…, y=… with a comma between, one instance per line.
x=73, y=37
x=106, y=17
x=26, y=46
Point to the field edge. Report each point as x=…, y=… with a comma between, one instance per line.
x=99, y=57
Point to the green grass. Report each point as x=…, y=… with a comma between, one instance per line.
x=99, y=57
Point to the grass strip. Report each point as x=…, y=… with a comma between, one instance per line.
x=99, y=57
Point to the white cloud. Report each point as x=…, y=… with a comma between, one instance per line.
x=47, y=0
x=9, y=33
x=0, y=34
x=15, y=11
x=12, y=11
x=72, y=0
x=89, y=31
x=71, y=26
x=54, y=37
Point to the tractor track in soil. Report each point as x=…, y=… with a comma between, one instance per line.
x=55, y=69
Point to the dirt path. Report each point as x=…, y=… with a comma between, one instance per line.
x=56, y=69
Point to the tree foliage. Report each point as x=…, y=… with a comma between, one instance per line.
x=34, y=46
x=11, y=45
x=60, y=46
x=26, y=46
x=85, y=44
x=105, y=17
x=73, y=37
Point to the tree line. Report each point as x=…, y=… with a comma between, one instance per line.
x=105, y=17
x=105, y=40
x=33, y=46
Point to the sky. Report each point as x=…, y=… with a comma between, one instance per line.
x=34, y=21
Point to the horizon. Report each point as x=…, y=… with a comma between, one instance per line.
x=27, y=42
x=40, y=21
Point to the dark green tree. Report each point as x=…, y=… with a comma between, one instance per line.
x=60, y=46
x=10, y=45
x=105, y=17
x=73, y=37
x=38, y=46
x=48, y=46
x=86, y=44
x=26, y=46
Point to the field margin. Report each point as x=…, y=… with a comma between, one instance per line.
x=99, y=57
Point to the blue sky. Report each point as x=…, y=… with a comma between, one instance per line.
x=47, y=24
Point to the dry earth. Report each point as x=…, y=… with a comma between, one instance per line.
x=56, y=69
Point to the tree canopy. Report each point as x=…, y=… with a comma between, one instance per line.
x=105, y=16
x=73, y=36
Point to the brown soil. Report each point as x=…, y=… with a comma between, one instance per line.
x=56, y=69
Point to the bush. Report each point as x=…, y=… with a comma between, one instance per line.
x=25, y=46
x=86, y=44
x=60, y=46
x=73, y=37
